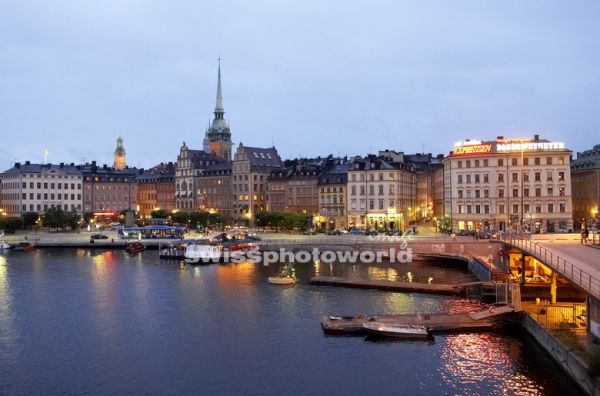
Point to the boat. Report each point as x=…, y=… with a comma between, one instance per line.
x=135, y=247
x=4, y=245
x=202, y=254
x=23, y=247
x=400, y=331
x=172, y=251
x=284, y=277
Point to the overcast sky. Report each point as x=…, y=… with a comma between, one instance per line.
x=314, y=77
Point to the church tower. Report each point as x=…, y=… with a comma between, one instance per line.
x=119, y=162
x=218, y=135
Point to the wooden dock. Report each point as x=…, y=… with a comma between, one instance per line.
x=387, y=285
x=440, y=322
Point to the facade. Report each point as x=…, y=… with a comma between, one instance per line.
x=108, y=190
x=156, y=189
x=426, y=165
x=293, y=189
x=190, y=165
x=218, y=135
x=119, y=162
x=381, y=195
x=31, y=187
x=509, y=185
x=332, y=196
x=214, y=189
x=585, y=181
x=252, y=166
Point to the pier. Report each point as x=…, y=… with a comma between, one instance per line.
x=439, y=322
x=397, y=286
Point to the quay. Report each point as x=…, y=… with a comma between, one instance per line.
x=439, y=322
x=396, y=286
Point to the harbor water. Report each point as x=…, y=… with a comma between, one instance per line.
x=103, y=322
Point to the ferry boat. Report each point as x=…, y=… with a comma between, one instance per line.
x=400, y=331
x=202, y=254
x=135, y=247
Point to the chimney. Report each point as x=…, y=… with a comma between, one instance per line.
x=27, y=163
x=499, y=137
x=62, y=165
x=17, y=165
x=536, y=138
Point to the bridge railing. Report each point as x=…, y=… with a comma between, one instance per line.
x=569, y=270
x=363, y=240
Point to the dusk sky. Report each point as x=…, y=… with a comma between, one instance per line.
x=312, y=77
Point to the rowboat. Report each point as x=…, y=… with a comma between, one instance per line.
x=400, y=331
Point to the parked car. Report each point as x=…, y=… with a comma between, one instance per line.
x=98, y=236
x=356, y=231
x=308, y=231
x=337, y=231
x=371, y=232
x=484, y=235
x=253, y=237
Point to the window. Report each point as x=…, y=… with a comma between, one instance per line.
x=500, y=208
x=561, y=160
x=514, y=162
x=515, y=177
x=469, y=209
x=562, y=207
x=468, y=163
x=460, y=193
x=500, y=162
x=486, y=178
x=461, y=209
x=561, y=176
x=538, y=176
x=501, y=177
x=538, y=192
x=380, y=204
x=476, y=163
x=477, y=194
x=561, y=191
x=371, y=204
x=549, y=176
x=486, y=209
x=460, y=179
x=537, y=160
x=526, y=177
x=460, y=164
x=526, y=208
x=525, y=161
x=548, y=160
x=501, y=193
x=486, y=193
x=526, y=192
x=477, y=208
x=515, y=192
x=550, y=191
x=538, y=208
x=515, y=208
x=477, y=178
x=468, y=178
x=485, y=162
x=353, y=190
x=550, y=208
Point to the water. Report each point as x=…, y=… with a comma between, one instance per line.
x=94, y=322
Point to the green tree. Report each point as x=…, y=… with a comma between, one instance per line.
x=54, y=218
x=11, y=224
x=159, y=214
x=72, y=219
x=30, y=219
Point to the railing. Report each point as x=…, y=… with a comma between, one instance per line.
x=574, y=273
x=365, y=240
x=556, y=317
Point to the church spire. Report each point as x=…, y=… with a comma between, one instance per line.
x=219, y=106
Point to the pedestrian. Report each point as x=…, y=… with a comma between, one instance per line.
x=583, y=235
x=587, y=234
x=453, y=237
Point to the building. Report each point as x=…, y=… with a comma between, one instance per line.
x=214, y=189
x=293, y=189
x=31, y=187
x=107, y=189
x=425, y=166
x=585, y=181
x=119, y=162
x=508, y=184
x=332, y=195
x=218, y=135
x=251, y=168
x=380, y=195
x=156, y=189
x=190, y=165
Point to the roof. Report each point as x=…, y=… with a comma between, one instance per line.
x=220, y=168
x=28, y=167
x=262, y=156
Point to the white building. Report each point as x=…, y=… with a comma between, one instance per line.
x=381, y=194
x=37, y=187
x=508, y=184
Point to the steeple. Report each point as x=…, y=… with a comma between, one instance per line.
x=119, y=160
x=219, y=105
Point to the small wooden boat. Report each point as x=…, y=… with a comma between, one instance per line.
x=400, y=331
x=23, y=247
x=135, y=247
x=284, y=277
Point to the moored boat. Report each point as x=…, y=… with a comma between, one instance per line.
x=284, y=277
x=400, y=331
x=4, y=245
x=23, y=247
x=202, y=254
x=135, y=247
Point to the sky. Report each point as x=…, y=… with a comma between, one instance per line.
x=312, y=77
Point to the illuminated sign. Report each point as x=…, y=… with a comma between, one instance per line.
x=470, y=150
x=531, y=146
x=511, y=141
x=467, y=142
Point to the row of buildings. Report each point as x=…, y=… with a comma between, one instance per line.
x=505, y=183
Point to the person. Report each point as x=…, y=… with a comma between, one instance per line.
x=453, y=236
x=584, y=235
x=587, y=234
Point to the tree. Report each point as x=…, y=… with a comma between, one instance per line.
x=11, y=224
x=30, y=219
x=181, y=218
x=159, y=214
x=72, y=219
x=54, y=218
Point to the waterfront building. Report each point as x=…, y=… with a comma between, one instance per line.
x=251, y=168
x=190, y=165
x=380, y=194
x=428, y=191
x=31, y=187
x=508, y=184
x=332, y=195
x=156, y=189
x=293, y=189
x=214, y=188
x=217, y=140
x=119, y=162
x=107, y=189
x=585, y=179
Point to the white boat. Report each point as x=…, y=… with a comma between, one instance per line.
x=402, y=331
x=202, y=254
x=284, y=277
x=4, y=245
